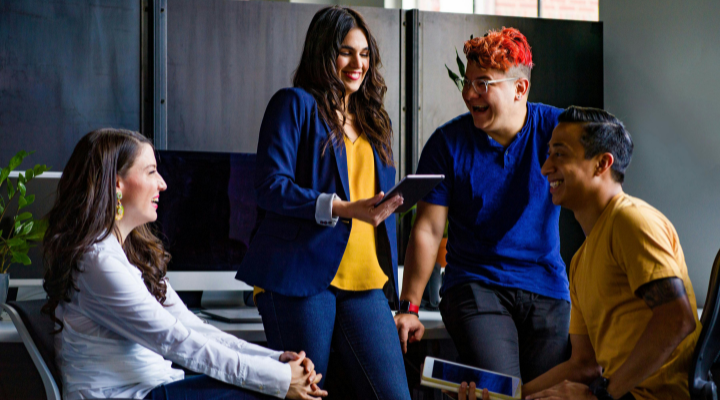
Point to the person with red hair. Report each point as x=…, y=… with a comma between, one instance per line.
x=505, y=298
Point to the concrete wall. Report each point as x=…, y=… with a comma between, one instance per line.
x=661, y=78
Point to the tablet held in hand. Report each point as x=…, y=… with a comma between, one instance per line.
x=448, y=375
x=412, y=188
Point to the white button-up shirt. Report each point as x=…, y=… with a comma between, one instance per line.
x=117, y=337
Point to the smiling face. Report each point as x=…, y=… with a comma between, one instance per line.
x=140, y=187
x=571, y=176
x=353, y=60
x=499, y=108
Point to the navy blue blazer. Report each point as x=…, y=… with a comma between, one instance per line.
x=290, y=253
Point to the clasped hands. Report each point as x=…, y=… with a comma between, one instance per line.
x=303, y=384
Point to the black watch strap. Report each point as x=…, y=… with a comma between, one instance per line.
x=407, y=307
x=599, y=389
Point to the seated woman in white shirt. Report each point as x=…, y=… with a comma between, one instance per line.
x=119, y=321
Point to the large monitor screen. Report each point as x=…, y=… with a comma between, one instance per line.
x=207, y=213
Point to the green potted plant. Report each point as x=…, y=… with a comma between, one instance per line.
x=20, y=231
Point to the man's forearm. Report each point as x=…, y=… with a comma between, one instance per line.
x=663, y=333
x=419, y=263
x=569, y=370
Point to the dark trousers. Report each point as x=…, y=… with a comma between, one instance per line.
x=510, y=331
x=357, y=325
x=202, y=387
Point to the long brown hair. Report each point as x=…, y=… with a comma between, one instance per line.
x=84, y=214
x=318, y=75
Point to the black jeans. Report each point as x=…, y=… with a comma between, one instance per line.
x=510, y=331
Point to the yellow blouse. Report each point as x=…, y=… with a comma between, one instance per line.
x=359, y=268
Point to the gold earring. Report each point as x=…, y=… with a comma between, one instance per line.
x=119, y=209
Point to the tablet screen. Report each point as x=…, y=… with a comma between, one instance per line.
x=483, y=380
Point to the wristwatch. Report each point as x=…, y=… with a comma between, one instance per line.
x=407, y=307
x=599, y=389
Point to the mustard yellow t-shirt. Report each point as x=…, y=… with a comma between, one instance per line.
x=630, y=245
x=359, y=268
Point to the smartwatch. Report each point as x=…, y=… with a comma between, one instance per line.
x=599, y=389
x=407, y=307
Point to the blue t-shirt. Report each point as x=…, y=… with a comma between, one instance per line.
x=503, y=226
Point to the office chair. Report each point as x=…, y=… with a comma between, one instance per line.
x=35, y=330
x=700, y=380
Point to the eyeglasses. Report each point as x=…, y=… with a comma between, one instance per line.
x=481, y=85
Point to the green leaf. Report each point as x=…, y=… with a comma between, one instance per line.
x=38, y=230
x=2, y=208
x=17, y=159
x=29, y=174
x=21, y=187
x=22, y=202
x=23, y=216
x=26, y=201
x=14, y=242
x=10, y=188
x=39, y=169
x=455, y=78
x=27, y=228
x=461, y=66
x=22, y=248
x=17, y=226
x=4, y=173
x=21, y=258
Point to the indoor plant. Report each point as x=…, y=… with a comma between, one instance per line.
x=19, y=231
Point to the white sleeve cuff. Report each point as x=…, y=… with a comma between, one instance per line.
x=268, y=376
x=323, y=210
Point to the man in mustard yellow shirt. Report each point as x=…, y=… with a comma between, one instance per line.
x=633, y=324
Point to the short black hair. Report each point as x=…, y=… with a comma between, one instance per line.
x=602, y=133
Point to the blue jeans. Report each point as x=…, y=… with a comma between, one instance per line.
x=202, y=387
x=358, y=326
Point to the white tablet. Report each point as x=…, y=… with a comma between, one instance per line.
x=448, y=375
x=412, y=188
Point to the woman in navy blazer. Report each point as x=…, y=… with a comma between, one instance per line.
x=307, y=167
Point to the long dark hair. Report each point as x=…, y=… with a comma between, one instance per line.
x=318, y=75
x=84, y=214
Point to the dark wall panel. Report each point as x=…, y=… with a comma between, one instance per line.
x=66, y=68
x=568, y=57
x=227, y=58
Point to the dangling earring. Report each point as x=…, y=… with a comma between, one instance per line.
x=119, y=209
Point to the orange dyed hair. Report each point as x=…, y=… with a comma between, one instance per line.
x=500, y=50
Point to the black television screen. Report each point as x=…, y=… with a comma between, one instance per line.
x=207, y=213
